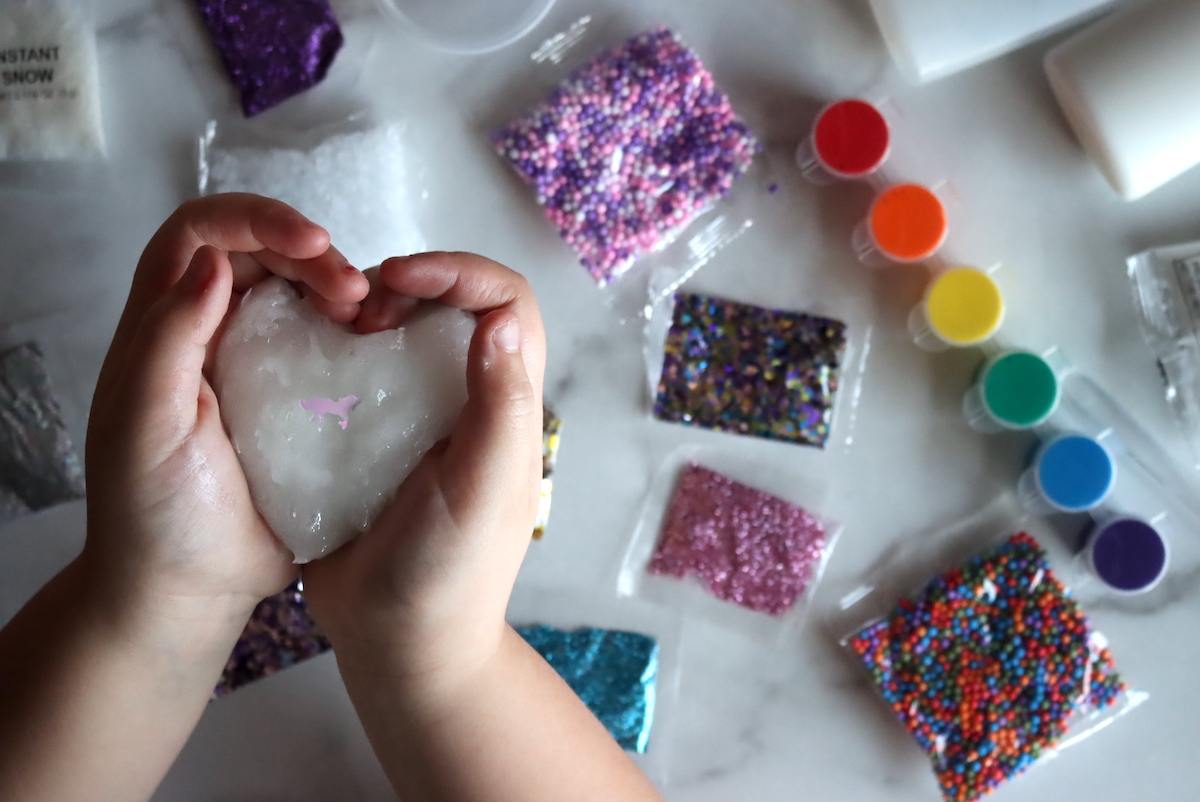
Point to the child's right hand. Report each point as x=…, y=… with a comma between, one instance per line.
x=422, y=595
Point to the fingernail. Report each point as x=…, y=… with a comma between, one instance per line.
x=351, y=269
x=507, y=336
x=198, y=275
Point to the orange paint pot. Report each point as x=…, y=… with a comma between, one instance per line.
x=907, y=224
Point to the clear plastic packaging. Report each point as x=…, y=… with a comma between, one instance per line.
x=971, y=636
x=532, y=606
x=301, y=69
x=356, y=179
x=742, y=544
x=1148, y=487
x=629, y=145
x=1166, y=292
x=727, y=366
x=467, y=26
x=43, y=416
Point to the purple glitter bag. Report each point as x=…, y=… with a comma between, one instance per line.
x=272, y=50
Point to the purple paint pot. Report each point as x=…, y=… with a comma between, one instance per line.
x=1127, y=554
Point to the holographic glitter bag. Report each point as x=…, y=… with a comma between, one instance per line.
x=741, y=543
x=356, y=177
x=973, y=639
x=43, y=413
x=628, y=143
x=295, y=62
x=621, y=657
x=717, y=363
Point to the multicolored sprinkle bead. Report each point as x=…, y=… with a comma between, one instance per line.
x=747, y=547
x=988, y=666
x=744, y=369
x=629, y=150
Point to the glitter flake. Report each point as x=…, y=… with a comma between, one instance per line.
x=551, y=439
x=748, y=547
x=629, y=150
x=985, y=683
x=744, y=369
x=615, y=674
x=272, y=49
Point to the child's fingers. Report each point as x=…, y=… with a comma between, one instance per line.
x=382, y=309
x=233, y=223
x=475, y=284
x=160, y=384
x=329, y=275
x=494, y=455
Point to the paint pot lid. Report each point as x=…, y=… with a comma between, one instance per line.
x=965, y=306
x=908, y=222
x=1129, y=555
x=468, y=26
x=851, y=138
x=1076, y=473
x=1020, y=389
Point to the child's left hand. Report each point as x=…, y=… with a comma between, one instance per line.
x=169, y=511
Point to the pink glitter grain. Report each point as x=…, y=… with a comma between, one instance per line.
x=747, y=547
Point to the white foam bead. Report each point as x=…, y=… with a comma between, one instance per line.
x=316, y=484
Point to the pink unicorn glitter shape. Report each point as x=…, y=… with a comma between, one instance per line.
x=320, y=407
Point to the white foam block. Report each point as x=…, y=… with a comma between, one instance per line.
x=328, y=423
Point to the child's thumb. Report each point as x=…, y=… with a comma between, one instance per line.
x=164, y=369
x=496, y=446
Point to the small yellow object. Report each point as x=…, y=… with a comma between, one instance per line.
x=551, y=438
x=965, y=306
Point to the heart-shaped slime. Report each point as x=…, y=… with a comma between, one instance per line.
x=328, y=423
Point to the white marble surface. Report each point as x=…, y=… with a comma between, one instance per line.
x=751, y=722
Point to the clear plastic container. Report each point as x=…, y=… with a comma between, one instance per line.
x=468, y=26
x=1128, y=554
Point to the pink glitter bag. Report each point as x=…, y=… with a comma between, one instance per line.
x=727, y=540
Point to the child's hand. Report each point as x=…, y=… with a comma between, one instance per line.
x=169, y=512
x=423, y=592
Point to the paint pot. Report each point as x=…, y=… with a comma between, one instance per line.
x=962, y=307
x=849, y=140
x=907, y=224
x=1070, y=473
x=1016, y=390
x=1127, y=554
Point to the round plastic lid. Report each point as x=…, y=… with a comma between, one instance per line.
x=1076, y=473
x=908, y=223
x=965, y=306
x=469, y=26
x=851, y=138
x=1129, y=555
x=1020, y=389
